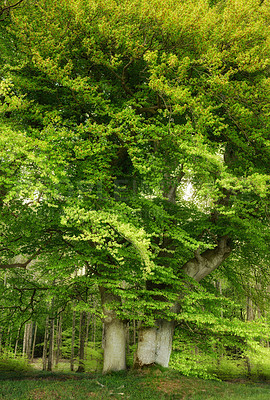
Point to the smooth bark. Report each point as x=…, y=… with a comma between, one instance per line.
x=114, y=340
x=204, y=263
x=27, y=339
x=155, y=343
x=164, y=340
x=146, y=350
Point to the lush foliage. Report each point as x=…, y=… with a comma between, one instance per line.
x=132, y=135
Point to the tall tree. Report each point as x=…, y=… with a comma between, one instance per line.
x=121, y=108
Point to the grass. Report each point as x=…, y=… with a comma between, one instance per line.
x=28, y=382
x=19, y=364
x=152, y=384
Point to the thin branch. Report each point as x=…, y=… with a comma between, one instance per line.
x=8, y=8
x=15, y=265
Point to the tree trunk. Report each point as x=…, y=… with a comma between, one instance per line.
x=51, y=345
x=1, y=336
x=128, y=338
x=250, y=310
x=44, y=357
x=83, y=323
x=94, y=331
x=155, y=343
x=114, y=344
x=24, y=339
x=58, y=339
x=164, y=339
x=9, y=339
x=134, y=332
x=17, y=342
x=29, y=340
x=87, y=330
x=219, y=288
x=34, y=343
x=73, y=341
x=147, y=344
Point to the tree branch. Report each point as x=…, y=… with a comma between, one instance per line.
x=8, y=8
x=21, y=265
x=203, y=264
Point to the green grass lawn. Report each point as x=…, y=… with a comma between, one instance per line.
x=148, y=385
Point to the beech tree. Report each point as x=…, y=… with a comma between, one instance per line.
x=121, y=108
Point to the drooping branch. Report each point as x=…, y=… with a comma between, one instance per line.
x=27, y=262
x=7, y=8
x=21, y=265
x=203, y=264
x=15, y=265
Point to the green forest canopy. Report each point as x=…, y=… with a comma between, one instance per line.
x=109, y=111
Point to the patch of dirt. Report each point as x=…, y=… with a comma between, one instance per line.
x=39, y=394
x=237, y=380
x=54, y=377
x=183, y=388
x=169, y=386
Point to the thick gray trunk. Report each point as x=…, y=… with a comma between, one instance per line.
x=165, y=334
x=147, y=344
x=155, y=343
x=114, y=341
x=203, y=264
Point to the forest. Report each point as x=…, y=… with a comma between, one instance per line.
x=134, y=185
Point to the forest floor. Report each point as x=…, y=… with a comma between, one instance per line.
x=151, y=384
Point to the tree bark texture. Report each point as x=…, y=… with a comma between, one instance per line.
x=146, y=350
x=203, y=264
x=155, y=343
x=164, y=340
x=114, y=343
x=27, y=339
